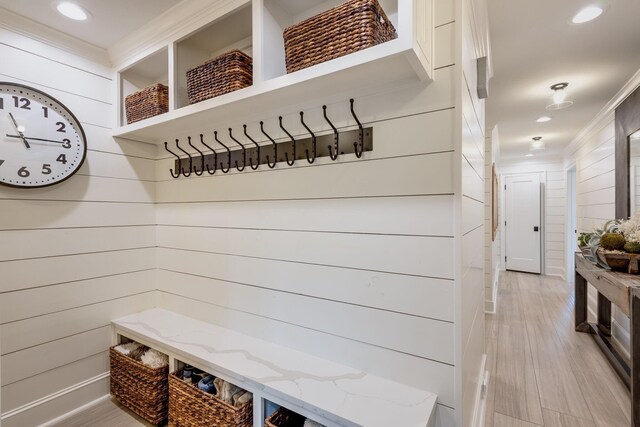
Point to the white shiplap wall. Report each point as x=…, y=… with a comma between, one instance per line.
x=554, y=179
x=73, y=256
x=350, y=260
x=470, y=285
x=492, y=250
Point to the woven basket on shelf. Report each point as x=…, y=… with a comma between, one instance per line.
x=148, y=102
x=191, y=407
x=348, y=28
x=284, y=418
x=142, y=389
x=223, y=74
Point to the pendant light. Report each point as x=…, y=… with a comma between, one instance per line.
x=559, y=97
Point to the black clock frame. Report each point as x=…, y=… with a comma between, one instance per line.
x=84, y=137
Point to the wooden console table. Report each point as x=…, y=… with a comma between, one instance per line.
x=623, y=290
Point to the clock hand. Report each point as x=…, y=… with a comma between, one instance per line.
x=15, y=124
x=35, y=139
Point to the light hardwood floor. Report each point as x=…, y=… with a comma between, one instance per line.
x=543, y=373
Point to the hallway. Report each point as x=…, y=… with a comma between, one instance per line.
x=542, y=373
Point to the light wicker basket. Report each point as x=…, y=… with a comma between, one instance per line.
x=223, y=74
x=191, y=407
x=148, y=102
x=354, y=25
x=283, y=417
x=141, y=389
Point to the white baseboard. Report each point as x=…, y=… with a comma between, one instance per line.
x=490, y=307
x=74, y=412
x=480, y=398
x=31, y=405
x=621, y=335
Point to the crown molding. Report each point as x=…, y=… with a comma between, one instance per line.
x=174, y=23
x=603, y=117
x=41, y=33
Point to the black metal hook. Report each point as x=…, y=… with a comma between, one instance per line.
x=215, y=135
x=335, y=137
x=275, y=148
x=313, y=140
x=166, y=147
x=361, y=135
x=190, y=161
x=257, y=149
x=244, y=152
x=215, y=157
x=201, y=158
x=286, y=155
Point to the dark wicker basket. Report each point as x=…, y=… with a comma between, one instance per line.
x=224, y=74
x=142, y=389
x=148, y=102
x=348, y=28
x=284, y=418
x=191, y=407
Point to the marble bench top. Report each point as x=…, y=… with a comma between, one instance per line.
x=343, y=395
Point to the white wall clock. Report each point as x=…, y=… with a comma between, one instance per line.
x=41, y=142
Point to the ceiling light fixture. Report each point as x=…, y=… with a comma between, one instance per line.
x=72, y=11
x=544, y=119
x=559, y=97
x=537, y=144
x=528, y=155
x=587, y=14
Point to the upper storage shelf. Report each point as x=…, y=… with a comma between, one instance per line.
x=256, y=28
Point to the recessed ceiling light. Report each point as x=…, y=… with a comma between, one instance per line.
x=72, y=11
x=587, y=14
x=528, y=155
x=543, y=119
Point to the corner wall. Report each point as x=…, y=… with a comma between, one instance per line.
x=73, y=256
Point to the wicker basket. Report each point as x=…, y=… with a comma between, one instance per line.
x=148, y=102
x=284, y=418
x=191, y=407
x=140, y=388
x=226, y=73
x=348, y=28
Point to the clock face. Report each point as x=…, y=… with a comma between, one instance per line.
x=41, y=141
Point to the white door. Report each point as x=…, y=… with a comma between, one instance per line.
x=522, y=223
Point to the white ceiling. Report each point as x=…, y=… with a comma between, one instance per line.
x=534, y=47
x=110, y=20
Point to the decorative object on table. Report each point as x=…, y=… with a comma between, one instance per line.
x=223, y=74
x=616, y=245
x=350, y=27
x=148, y=102
x=42, y=142
x=291, y=149
x=140, y=388
x=193, y=407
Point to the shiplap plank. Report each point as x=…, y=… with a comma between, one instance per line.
x=443, y=12
x=423, y=256
x=24, y=244
x=445, y=40
x=430, y=297
x=116, y=166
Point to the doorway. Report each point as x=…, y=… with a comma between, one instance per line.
x=522, y=223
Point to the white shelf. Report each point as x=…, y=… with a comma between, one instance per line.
x=408, y=57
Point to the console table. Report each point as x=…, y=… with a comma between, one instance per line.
x=623, y=290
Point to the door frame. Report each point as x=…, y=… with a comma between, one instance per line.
x=571, y=223
x=543, y=225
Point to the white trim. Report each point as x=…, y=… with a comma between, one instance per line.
x=480, y=399
x=604, y=115
x=621, y=335
x=75, y=411
x=31, y=405
x=491, y=307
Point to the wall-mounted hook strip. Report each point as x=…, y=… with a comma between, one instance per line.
x=190, y=160
x=215, y=157
x=177, y=157
x=257, y=149
x=358, y=148
x=244, y=152
x=336, y=136
x=215, y=136
x=313, y=140
x=286, y=155
x=275, y=148
x=201, y=159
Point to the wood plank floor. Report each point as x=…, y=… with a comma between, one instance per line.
x=543, y=373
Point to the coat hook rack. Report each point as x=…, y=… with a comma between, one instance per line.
x=310, y=146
